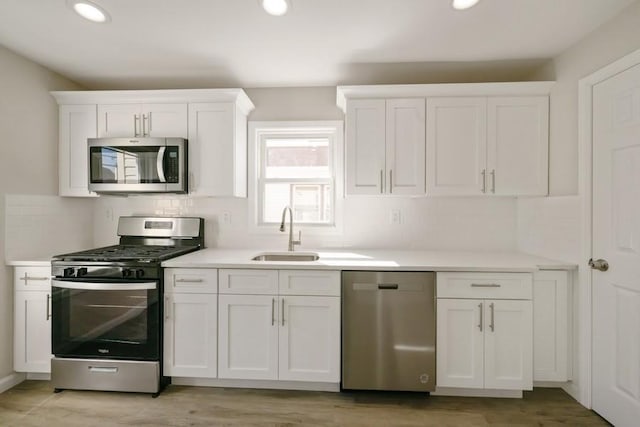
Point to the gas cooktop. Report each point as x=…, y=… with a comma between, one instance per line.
x=118, y=253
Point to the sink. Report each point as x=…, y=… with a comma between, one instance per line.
x=287, y=256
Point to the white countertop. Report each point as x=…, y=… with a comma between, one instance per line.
x=365, y=259
x=36, y=262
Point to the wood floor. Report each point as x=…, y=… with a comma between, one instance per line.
x=33, y=403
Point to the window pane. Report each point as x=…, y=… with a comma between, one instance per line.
x=296, y=158
x=310, y=203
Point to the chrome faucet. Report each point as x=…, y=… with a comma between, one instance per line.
x=292, y=242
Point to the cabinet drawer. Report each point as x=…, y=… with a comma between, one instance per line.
x=309, y=282
x=191, y=280
x=248, y=282
x=484, y=285
x=32, y=278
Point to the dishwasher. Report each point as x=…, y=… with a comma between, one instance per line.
x=388, y=331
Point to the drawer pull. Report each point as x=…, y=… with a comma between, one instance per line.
x=26, y=278
x=485, y=285
x=104, y=369
x=189, y=280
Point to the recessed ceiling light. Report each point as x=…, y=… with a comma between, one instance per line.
x=463, y=4
x=90, y=11
x=275, y=7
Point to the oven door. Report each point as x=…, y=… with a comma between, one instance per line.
x=106, y=319
x=124, y=165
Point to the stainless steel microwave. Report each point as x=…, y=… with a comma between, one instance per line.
x=138, y=165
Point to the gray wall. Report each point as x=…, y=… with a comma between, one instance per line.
x=28, y=158
x=614, y=39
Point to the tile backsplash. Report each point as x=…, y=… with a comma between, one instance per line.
x=41, y=226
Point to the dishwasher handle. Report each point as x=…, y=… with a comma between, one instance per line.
x=383, y=286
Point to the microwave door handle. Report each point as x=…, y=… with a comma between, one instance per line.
x=160, y=164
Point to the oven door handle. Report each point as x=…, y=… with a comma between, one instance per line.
x=91, y=286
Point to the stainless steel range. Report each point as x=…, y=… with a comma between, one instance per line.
x=106, y=310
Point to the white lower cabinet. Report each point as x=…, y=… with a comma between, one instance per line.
x=484, y=342
x=280, y=336
x=190, y=323
x=32, y=320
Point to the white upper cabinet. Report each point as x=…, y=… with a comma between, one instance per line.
x=518, y=144
x=214, y=121
x=385, y=146
x=77, y=124
x=456, y=146
x=142, y=120
x=481, y=139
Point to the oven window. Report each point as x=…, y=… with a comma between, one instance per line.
x=108, y=316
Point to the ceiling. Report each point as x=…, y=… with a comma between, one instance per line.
x=229, y=43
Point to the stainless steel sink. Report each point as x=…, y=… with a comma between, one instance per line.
x=287, y=256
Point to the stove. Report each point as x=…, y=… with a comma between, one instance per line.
x=107, y=313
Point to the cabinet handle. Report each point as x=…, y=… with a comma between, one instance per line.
x=484, y=180
x=145, y=131
x=390, y=180
x=48, y=309
x=493, y=180
x=492, y=324
x=273, y=318
x=189, y=280
x=136, y=119
x=166, y=307
x=381, y=181
x=282, y=311
x=480, y=324
x=27, y=278
x=485, y=285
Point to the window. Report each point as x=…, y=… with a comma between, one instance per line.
x=296, y=165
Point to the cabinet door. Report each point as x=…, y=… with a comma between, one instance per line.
x=248, y=337
x=309, y=339
x=365, y=146
x=405, y=146
x=456, y=146
x=550, y=325
x=77, y=123
x=518, y=141
x=508, y=343
x=459, y=350
x=164, y=120
x=32, y=332
x=217, y=150
x=119, y=120
x=190, y=335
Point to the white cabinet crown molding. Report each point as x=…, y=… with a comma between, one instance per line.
x=156, y=96
x=441, y=89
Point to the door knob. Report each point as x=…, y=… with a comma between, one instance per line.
x=599, y=264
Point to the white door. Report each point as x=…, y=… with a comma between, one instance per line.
x=508, y=345
x=248, y=337
x=32, y=341
x=456, y=146
x=616, y=238
x=164, y=120
x=365, y=146
x=190, y=335
x=309, y=347
x=460, y=343
x=77, y=124
x=119, y=120
x=212, y=160
x=518, y=145
x=405, y=146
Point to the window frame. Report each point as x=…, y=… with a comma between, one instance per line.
x=258, y=131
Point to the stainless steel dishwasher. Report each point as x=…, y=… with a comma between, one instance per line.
x=388, y=331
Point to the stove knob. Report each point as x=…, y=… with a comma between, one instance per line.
x=139, y=273
x=68, y=272
x=126, y=272
x=81, y=272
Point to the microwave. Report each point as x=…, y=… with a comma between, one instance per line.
x=137, y=165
